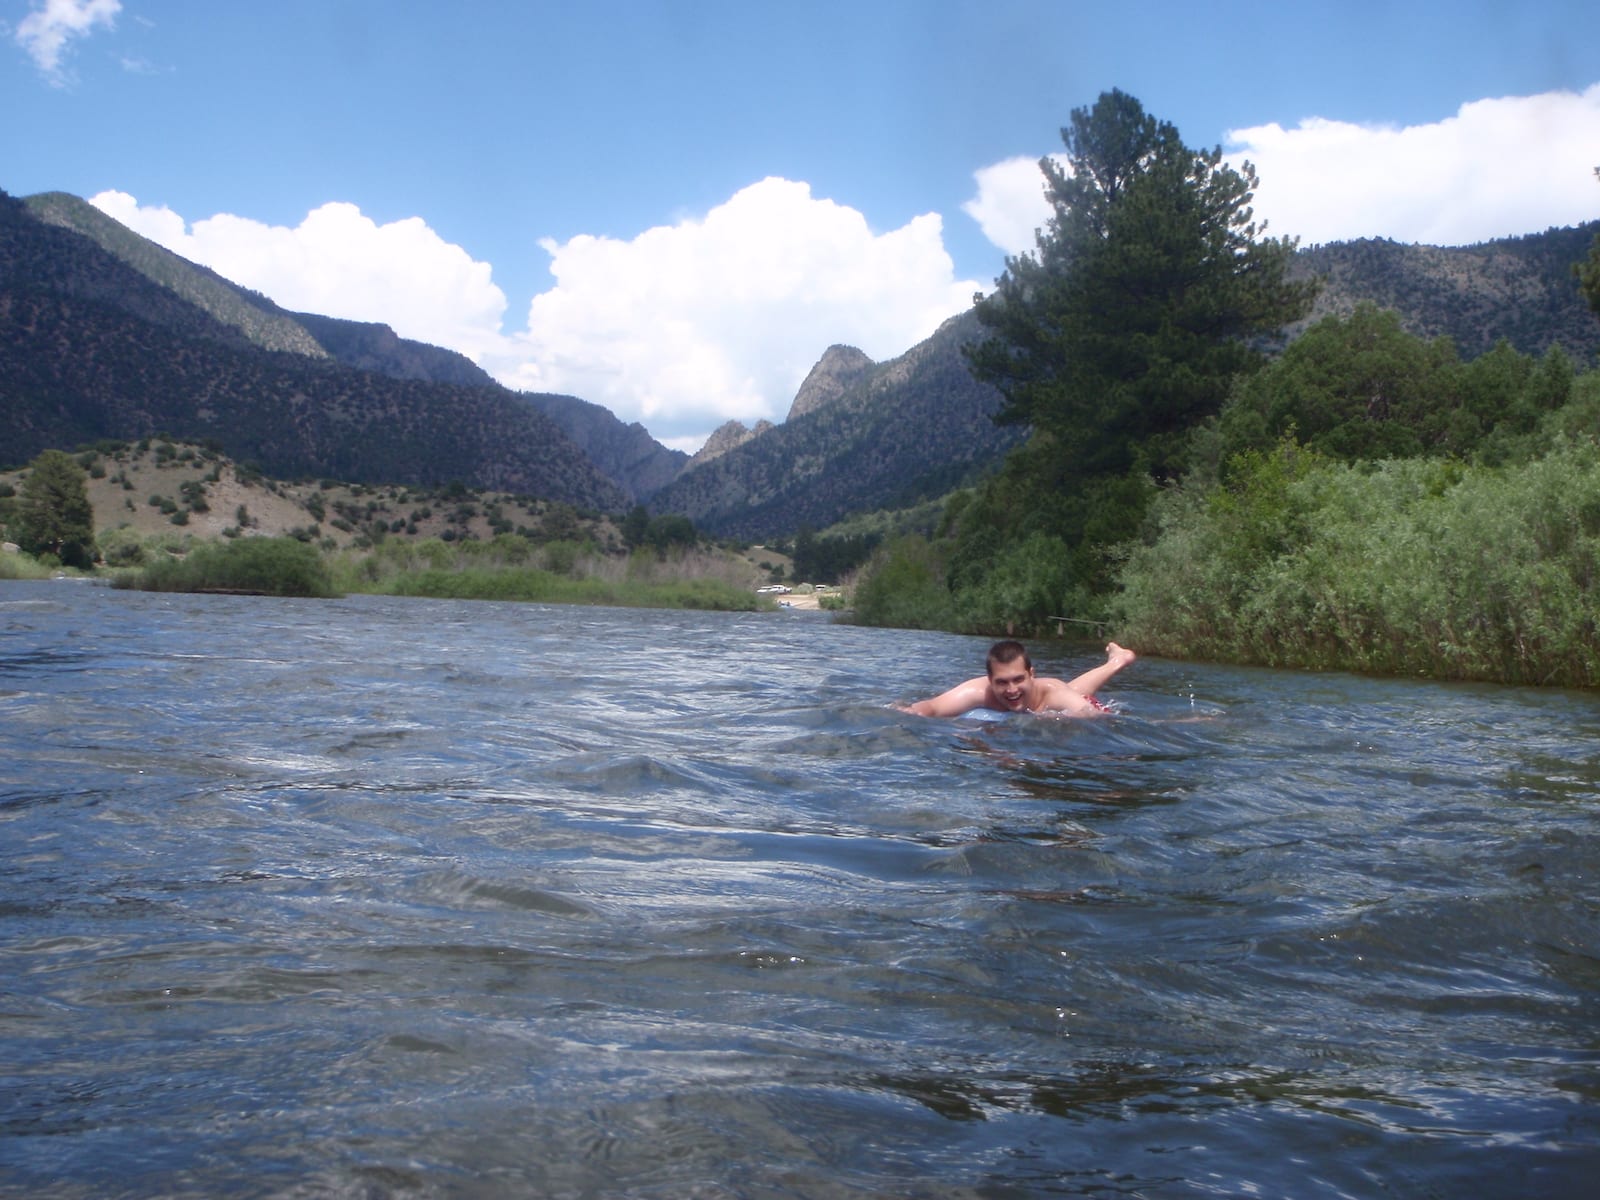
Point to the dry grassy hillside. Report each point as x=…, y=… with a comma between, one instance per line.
x=158, y=487
x=178, y=492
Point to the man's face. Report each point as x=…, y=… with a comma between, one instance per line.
x=1011, y=682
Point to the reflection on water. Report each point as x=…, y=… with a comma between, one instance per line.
x=410, y=898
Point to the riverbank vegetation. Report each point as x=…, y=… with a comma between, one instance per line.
x=1413, y=566
x=258, y=566
x=181, y=517
x=679, y=574
x=23, y=566
x=1366, y=502
x=1361, y=498
x=507, y=568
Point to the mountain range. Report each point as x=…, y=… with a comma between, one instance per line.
x=106, y=335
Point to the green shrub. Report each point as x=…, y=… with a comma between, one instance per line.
x=903, y=587
x=269, y=566
x=560, y=558
x=1026, y=584
x=1402, y=567
x=24, y=566
x=122, y=548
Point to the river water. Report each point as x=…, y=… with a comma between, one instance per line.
x=380, y=897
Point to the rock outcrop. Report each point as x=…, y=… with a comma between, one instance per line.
x=728, y=436
x=839, y=369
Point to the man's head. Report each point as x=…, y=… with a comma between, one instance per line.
x=1010, y=674
x=1004, y=653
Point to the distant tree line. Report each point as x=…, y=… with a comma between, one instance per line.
x=671, y=530
x=824, y=558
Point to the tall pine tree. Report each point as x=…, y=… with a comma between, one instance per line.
x=1588, y=271
x=53, y=513
x=1150, y=291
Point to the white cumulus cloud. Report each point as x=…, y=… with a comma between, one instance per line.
x=51, y=24
x=1010, y=206
x=681, y=328
x=1497, y=168
x=340, y=263
x=688, y=325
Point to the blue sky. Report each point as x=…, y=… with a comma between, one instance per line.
x=673, y=207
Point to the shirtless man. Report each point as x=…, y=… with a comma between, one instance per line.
x=1011, y=686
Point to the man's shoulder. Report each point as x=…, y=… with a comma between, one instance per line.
x=1055, y=694
x=978, y=687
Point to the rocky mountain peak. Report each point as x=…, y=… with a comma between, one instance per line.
x=836, y=370
x=728, y=436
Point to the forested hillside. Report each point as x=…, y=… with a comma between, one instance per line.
x=369, y=346
x=1520, y=289
x=638, y=463
x=246, y=314
x=92, y=348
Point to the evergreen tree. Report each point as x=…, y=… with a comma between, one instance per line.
x=53, y=511
x=1149, y=292
x=636, y=526
x=671, y=530
x=1588, y=271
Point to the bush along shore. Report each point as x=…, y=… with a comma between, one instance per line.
x=1420, y=567
x=255, y=566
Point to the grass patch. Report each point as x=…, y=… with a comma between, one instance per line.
x=537, y=585
x=509, y=567
x=23, y=566
x=254, y=566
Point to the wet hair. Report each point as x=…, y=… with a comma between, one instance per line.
x=1006, y=652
